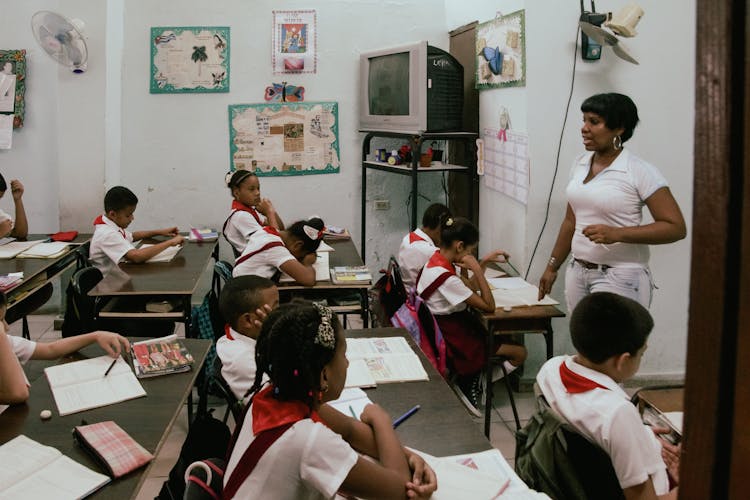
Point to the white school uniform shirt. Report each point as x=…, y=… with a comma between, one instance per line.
x=615, y=197
x=237, y=355
x=240, y=225
x=109, y=244
x=416, y=249
x=450, y=297
x=309, y=461
x=607, y=418
x=265, y=262
x=23, y=349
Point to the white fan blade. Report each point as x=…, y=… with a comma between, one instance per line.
x=599, y=35
x=622, y=53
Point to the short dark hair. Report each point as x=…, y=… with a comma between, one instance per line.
x=119, y=197
x=617, y=110
x=434, y=214
x=458, y=229
x=287, y=352
x=238, y=177
x=309, y=245
x=241, y=295
x=605, y=324
x=3, y=184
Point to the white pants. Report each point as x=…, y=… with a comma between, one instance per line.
x=632, y=282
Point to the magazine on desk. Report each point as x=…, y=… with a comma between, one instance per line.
x=33, y=470
x=160, y=356
x=381, y=360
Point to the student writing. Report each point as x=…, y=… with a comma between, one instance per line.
x=249, y=212
x=418, y=246
x=302, y=350
x=291, y=250
x=112, y=242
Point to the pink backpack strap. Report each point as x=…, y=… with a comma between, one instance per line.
x=268, y=245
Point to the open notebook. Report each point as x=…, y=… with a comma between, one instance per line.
x=165, y=255
x=381, y=360
x=33, y=470
x=514, y=292
x=321, y=269
x=10, y=250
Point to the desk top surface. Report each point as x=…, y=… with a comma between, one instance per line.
x=147, y=419
x=664, y=400
x=524, y=312
x=180, y=276
x=442, y=426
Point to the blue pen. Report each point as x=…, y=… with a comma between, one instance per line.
x=400, y=420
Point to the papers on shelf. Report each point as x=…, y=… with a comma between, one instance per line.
x=350, y=275
x=321, y=267
x=10, y=250
x=165, y=255
x=514, y=292
x=81, y=385
x=33, y=470
x=351, y=400
x=8, y=280
x=47, y=250
x=388, y=359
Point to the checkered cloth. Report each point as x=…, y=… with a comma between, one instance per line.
x=113, y=446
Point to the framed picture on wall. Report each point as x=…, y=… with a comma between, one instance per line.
x=295, y=40
x=189, y=59
x=13, y=84
x=501, y=52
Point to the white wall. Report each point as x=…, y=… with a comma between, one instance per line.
x=662, y=87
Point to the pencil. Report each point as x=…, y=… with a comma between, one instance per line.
x=111, y=366
x=400, y=420
x=354, y=414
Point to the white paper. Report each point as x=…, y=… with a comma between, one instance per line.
x=10, y=250
x=46, y=250
x=321, y=267
x=675, y=417
x=165, y=255
x=325, y=247
x=351, y=400
x=6, y=131
x=7, y=92
x=358, y=375
x=527, y=296
x=493, y=273
x=509, y=283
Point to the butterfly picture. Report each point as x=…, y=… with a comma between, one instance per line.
x=494, y=59
x=281, y=92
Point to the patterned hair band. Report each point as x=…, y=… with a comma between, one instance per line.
x=312, y=233
x=325, y=335
x=240, y=177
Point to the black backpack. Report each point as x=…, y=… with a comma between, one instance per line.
x=553, y=458
x=387, y=294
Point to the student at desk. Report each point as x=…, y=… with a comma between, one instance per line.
x=418, y=246
x=111, y=241
x=291, y=250
x=15, y=351
x=18, y=227
x=609, y=332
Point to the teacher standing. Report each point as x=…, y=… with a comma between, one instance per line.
x=608, y=188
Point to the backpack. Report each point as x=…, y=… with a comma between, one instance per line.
x=416, y=318
x=388, y=293
x=553, y=458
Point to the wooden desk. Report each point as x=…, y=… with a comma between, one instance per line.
x=344, y=254
x=664, y=400
x=441, y=426
x=148, y=420
x=131, y=285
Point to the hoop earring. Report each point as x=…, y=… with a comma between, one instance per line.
x=617, y=142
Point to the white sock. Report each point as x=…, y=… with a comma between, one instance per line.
x=497, y=371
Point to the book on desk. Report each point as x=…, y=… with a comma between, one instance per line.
x=165, y=255
x=350, y=275
x=197, y=235
x=321, y=267
x=381, y=360
x=160, y=356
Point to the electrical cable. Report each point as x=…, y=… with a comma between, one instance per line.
x=557, y=159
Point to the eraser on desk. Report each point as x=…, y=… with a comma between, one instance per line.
x=45, y=414
x=507, y=309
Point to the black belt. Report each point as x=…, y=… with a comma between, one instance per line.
x=590, y=265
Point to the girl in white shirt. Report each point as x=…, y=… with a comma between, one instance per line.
x=302, y=350
x=249, y=212
x=269, y=252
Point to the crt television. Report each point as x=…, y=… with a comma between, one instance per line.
x=413, y=88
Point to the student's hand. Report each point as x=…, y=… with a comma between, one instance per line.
x=496, y=256
x=374, y=414
x=112, y=342
x=16, y=189
x=169, y=231
x=546, y=282
x=177, y=240
x=261, y=314
x=469, y=262
x=265, y=207
x=6, y=227
x=670, y=453
x=601, y=233
x=309, y=259
x=424, y=481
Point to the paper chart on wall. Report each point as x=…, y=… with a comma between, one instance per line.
x=506, y=163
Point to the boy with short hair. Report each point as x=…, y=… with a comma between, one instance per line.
x=111, y=242
x=244, y=303
x=15, y=351
x=418, y=246
x=609, y=332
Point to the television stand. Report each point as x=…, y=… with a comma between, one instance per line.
x=413, y=169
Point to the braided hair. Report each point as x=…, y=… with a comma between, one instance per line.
x=288, y=353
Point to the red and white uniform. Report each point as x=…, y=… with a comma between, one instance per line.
x=237, y=355
x=109, y=244
x=241, y=223
x=601, y=411
x=416, y=249
x=264, y=254
x=23, y=349
x=450, y=297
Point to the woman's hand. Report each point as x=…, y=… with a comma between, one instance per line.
x=546, y=282
x=601, y=233
x=424, y=481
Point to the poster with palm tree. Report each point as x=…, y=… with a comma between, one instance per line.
x=189, y=59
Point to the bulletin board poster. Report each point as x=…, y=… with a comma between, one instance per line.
x=13, y=84
x=295, y=43
x=282, y=139
x=189, y=59
x=501, y=52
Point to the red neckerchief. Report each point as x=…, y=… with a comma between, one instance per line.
x=228, y=332
x=415, y=237
x=272, y=230
x=438, y=260
x=100, y=221
x=269, y=412
x=575, y=383
x=236, y=205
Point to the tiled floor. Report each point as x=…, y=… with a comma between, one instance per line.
x=501, y=428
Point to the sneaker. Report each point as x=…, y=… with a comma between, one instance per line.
x=468, y=393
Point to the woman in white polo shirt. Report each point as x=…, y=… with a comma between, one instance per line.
x=608, y=188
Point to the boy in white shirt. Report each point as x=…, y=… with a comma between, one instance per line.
x=418, y=246
x=111, y=241
x=244, y=303
x=609, y=332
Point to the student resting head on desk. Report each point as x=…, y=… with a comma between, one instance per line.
x=244, y=303
x=14, y=351
x=16, y=227
x=111, y=241
x=418, y=246
x=302, y=350
x=609, y=332
x=291, y=250
x=249, y=212
x=452, y=295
